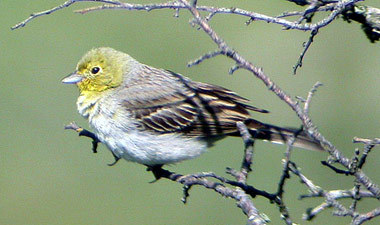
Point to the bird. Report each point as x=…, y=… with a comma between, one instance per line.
x=156, y=117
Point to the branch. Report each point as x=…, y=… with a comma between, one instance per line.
x=95, y=140
x=338, y=8
x=331, y=198
x=86, y=133
x=239, y=195
x=327, y=7
x=368, y=17
x=281, y=185
x=366, y=217
x=330, y=201
x=307, y=123
x=204, y=57
x=248, y=152
x=371, y=26
x=339, y=194
x=306, y=47
x=243, y=200
x=49, y=11
x=369, y=145
x=241, y=191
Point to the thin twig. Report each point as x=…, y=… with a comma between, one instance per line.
x=309, y=97
x=328, y=7
x=258, y=72
x=375, y=141
x=49, y=11
x=248, y=151
x=204, y=57
x=86, y=133
x=95, y=140
x=312, y=212
x=241, y=194
x=305, y=48
x=369, y=144
x=339, y=194
x=281, y=185
x=238, y=194
x=309, y=11
x=233, y=69
x=366, y=217
x=356, y=196
x=330, y=200
x=339, y=7
x=337, y=170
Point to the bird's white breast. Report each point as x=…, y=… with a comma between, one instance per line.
x=115, y=128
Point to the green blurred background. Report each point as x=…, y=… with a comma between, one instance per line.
x=50, y=176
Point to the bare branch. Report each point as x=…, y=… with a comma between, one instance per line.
x=204, y=57
x=84, y=132
x=248, y=152
x=327, y=7
x=306, y=47
x=233, y=69
x=339, y=194
x=337, y=170
x=311, y=213
x=239, y=190
x=49, y=11
x=307, y=123
x=368, y=17
x=330, y=200
x=365, y=217
x=309, y=11
x=242, y=198
x=309, y=97
x=281, y=185
x=375, y=141
x=339, y=6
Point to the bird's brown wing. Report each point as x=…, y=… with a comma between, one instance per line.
x=192, y=108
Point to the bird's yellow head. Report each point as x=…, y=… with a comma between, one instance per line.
x=99, y=69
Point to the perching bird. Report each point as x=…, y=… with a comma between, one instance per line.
x=155, y=117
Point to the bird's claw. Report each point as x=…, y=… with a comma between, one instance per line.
x=157, y=171
x=117, y=158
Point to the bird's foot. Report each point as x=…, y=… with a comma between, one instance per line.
x=117, y=158
x=158, y=172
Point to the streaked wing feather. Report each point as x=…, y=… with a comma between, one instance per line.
x=224, y=93
x=192, y=108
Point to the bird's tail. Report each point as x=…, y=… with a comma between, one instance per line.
x=281, y=135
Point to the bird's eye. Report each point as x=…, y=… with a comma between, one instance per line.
x=95, y=70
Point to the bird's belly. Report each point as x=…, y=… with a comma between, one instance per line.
x=147, y=148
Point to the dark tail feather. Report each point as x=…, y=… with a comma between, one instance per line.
x=281, y=135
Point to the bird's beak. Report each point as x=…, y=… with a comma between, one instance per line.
x=72, y=78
